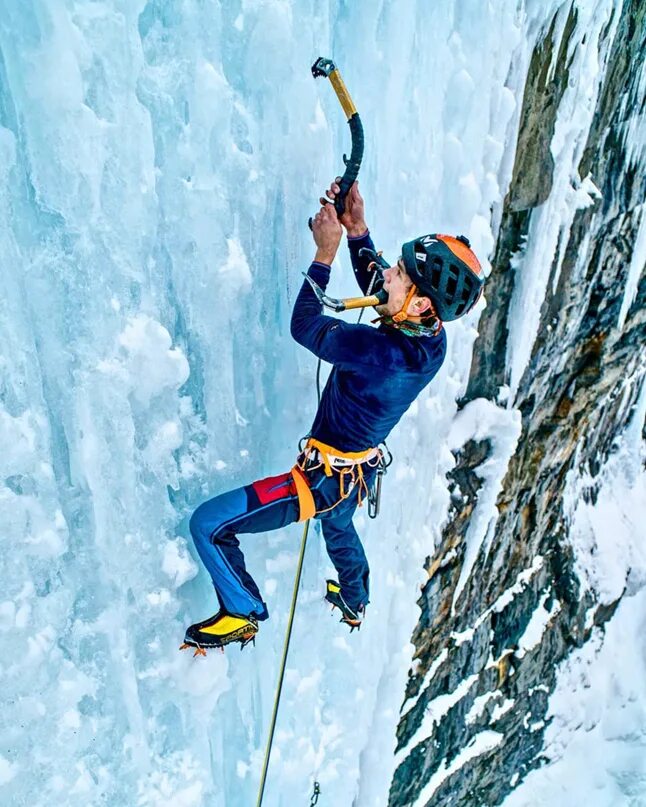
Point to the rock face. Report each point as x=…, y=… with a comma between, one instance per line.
x=475, y=707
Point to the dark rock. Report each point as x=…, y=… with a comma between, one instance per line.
x=577, y=394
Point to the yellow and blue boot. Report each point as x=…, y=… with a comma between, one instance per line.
x=348, y=615
x=220, y=630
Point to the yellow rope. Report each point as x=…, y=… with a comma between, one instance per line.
x=282, y=665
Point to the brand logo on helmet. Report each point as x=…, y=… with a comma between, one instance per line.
x=428, y=240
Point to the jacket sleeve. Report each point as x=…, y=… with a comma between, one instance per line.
x=333, y=340
x=363, y=275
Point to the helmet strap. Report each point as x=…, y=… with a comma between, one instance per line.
x=412, y=324
x=402, y=314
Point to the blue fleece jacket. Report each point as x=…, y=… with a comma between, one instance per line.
x=377, y=372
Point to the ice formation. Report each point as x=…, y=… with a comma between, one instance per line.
x=158, y=163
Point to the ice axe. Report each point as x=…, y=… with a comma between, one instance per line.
x=327, y=69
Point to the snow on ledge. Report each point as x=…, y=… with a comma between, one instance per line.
x=537, y=625
x=480, y=420
x=434, y=712
x=481, y=743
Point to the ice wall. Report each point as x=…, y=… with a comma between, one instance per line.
x=158, y=162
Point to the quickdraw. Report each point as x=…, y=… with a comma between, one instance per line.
x=315, y=795
x=374, y=494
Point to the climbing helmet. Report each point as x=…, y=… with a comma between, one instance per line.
x=445, y=269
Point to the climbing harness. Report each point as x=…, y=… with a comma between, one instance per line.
x=306, y=506
x=348, y=466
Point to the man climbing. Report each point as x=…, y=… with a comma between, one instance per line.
x=377, y=373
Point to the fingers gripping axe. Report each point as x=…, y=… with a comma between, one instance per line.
x=326, y=68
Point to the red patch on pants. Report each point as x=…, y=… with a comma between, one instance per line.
x=274, y=487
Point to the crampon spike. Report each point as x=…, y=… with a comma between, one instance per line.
x=351, y=625
x=199, y=651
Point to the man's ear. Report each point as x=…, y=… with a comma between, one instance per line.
x=421, y=305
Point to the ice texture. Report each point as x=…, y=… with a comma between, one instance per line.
x=158, y=163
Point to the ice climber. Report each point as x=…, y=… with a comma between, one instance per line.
x=377, y=373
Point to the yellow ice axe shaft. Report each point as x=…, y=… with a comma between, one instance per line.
x=342, y=93
x=350, y=303
x=346, y=303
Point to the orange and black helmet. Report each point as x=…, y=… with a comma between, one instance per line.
x=446, y=270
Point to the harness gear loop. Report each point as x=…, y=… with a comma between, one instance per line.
x=281, y=674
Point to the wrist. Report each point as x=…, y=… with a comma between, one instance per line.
x=357, y=230
x=324, y=256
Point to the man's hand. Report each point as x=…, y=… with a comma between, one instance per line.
x=353, y=216
x=327, y=234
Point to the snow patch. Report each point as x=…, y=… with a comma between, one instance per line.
x=482, y=420
x=482, y=743
x=537, y=625
x=434, y=712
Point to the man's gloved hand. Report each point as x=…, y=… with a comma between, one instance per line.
x=353, y=217
x=327, y=234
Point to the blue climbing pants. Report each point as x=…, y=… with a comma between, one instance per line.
x=269, y=504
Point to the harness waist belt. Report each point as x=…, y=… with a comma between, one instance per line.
x=343, y=462
x=331, y=457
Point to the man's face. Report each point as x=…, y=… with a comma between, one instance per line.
x=397, y=283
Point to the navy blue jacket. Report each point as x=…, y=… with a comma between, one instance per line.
x=377, y=373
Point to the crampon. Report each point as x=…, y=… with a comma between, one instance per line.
x=348, y=615
x=220, y=630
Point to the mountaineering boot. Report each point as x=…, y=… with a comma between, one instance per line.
x=220, y=630
x=348, y=615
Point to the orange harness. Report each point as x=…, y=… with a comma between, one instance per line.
x=348, y=464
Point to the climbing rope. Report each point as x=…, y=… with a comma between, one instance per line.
x=281, y=674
